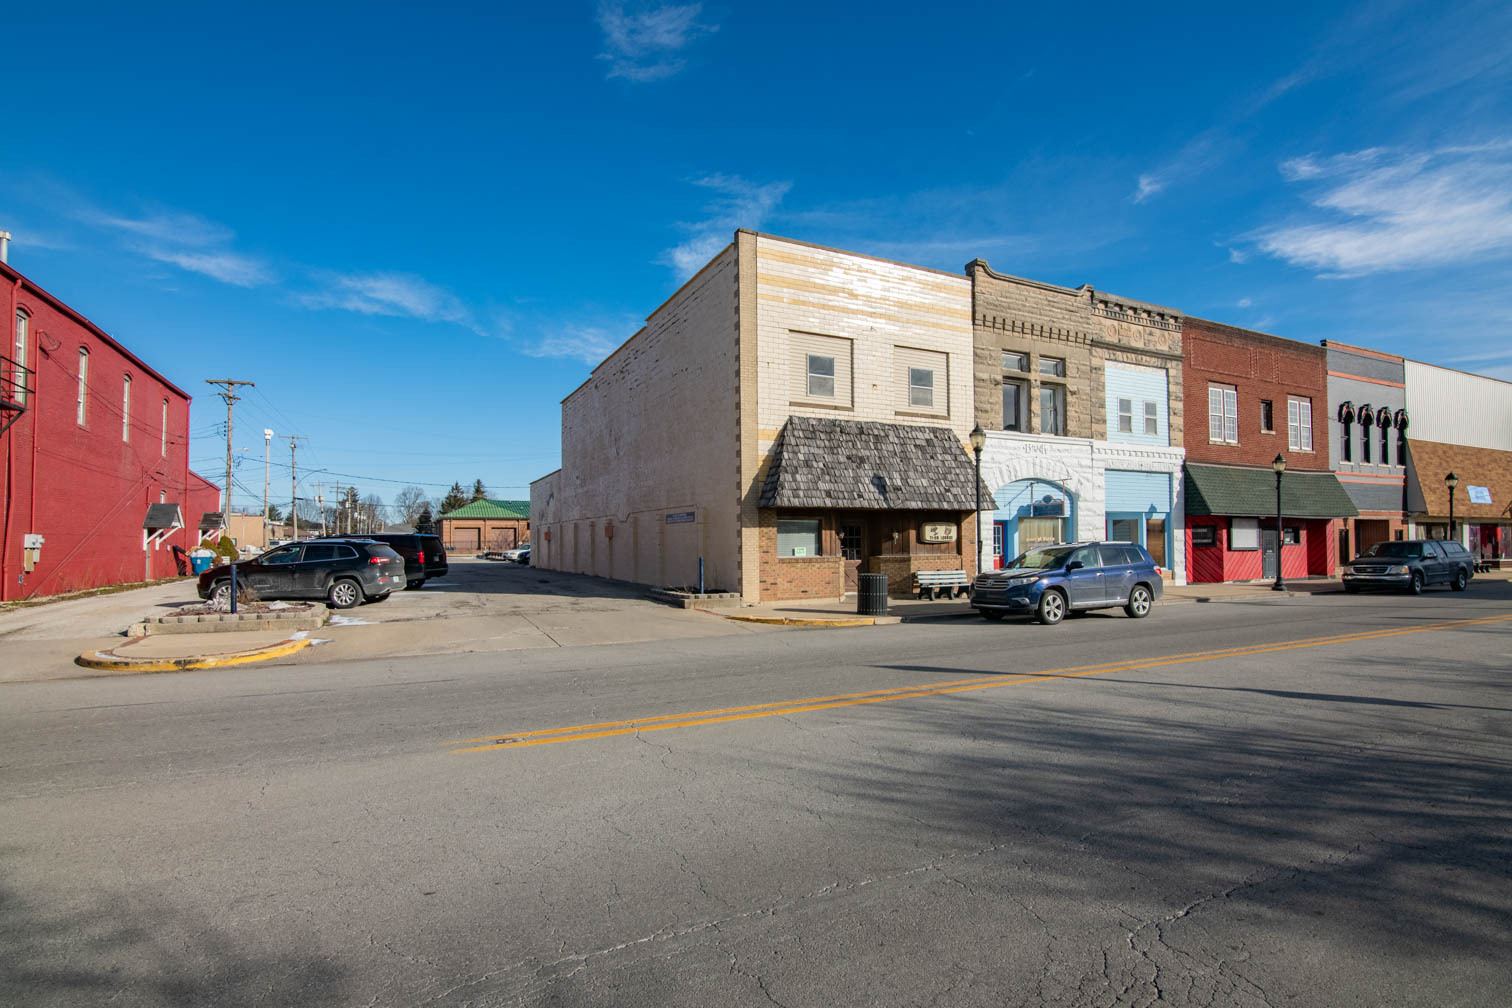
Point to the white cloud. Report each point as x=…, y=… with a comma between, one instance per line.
x=399, y=295
x=641, y=45
x=1244, y=302
x=227, y=267
x=1149, y=185
x=1379, y=210
x=738, y=204
x=585, y=343
x=170, y=227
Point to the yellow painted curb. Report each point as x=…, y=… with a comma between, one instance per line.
x=109, y=661
x=794, y=621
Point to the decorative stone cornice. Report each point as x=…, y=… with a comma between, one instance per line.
x=1024, y=328
x=1143, y=313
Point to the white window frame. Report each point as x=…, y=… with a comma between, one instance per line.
x=165, y=429
x=81, y=415
x=1020, y=421
x=820, y=376
x=126, y=408
x=1126, y=416
x=23, y=326
x=1151, y=418
x=1299, y=432
x=1223, y=414
x=921, y=395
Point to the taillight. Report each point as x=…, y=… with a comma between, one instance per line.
x=422, y=556
x=372, y=560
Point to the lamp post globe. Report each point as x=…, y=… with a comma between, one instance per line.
x=1279, y=465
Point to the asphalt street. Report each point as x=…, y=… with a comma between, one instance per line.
x=1298, y=801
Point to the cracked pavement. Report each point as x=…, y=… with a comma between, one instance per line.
x=1313, y=827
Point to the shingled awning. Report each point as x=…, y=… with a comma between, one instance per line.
x=163, y=516
x=1246, y=493
x=824, y=463
x=211, y=520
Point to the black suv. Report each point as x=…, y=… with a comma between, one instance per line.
x=344, y=572
x=1050, y=581
x=1411, y=564
x=424, y=555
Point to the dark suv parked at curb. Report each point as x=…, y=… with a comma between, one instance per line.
x=1411, y=565
x=424, y=555
x=1050, y=581
x=344, y=572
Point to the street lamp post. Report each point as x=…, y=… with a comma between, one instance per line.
x=978, y=442
x=267, y=449
x=1451, y=481
x=1279, y=465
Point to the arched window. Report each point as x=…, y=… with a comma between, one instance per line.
x=165, y=428
x=126, y=408
x=83, y=407
x=23, y=324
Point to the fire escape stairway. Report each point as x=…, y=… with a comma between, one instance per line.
x=15, y=391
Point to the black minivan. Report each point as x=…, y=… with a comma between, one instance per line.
x=424, y=555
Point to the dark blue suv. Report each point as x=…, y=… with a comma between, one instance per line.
x=1050, y=581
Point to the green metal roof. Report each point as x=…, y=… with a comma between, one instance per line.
x=492, y=509
x=1230, y=490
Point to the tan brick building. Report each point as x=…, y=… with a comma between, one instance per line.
x=1080, y=393
x=792, y=416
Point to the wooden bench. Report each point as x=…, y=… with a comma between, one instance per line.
x=952, y=583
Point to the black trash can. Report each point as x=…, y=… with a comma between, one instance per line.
x=871, y=594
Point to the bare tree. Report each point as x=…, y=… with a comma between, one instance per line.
x=371, y=513
x=409, y=502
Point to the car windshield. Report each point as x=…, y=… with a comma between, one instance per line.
x=1394, y=550
x=1044, y=558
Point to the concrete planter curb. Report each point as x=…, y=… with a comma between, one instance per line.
x=230, y=623
x=693, y=600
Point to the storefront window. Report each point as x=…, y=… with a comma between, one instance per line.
x=1155, y=540
x=797, y=537
x=1244, y=533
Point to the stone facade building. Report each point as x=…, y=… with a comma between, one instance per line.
x=791, y=417
x=1080, y=393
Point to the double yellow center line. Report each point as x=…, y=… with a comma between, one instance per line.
x=661, y=722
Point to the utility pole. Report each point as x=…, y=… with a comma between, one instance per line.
x=267, y=448
x=230, y=396
x=294, y=439
x=320, y=505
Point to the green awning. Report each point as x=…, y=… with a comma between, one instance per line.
x=1251, y=493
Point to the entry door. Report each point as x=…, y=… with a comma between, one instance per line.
x=999, y=540
x=1268, y=554
x=850, y=552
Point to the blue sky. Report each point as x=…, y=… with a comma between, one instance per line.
x=417, y=230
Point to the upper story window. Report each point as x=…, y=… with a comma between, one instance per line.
x=921, y=387
x=1267, y=417
x=1346, y=443
x=821, y=376
x=1053, y=410
x=82, y=415
x=1365, y=435
x=23, y=325
x=1299, y=424
x=1015, y=399
x=1386, y=445
x=1015, y=361
x=165, y=429
x=1055, y=367
x=1223, y=414
x=1151, y=418
x=1126, y=416
x=126, y=408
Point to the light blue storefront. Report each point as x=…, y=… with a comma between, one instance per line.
x=1138, y=509
x=1028, y=513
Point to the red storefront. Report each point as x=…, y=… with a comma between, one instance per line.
x=1266, y=398
x=92, y=438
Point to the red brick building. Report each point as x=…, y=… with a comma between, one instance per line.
x=1265, y=397
x=92, y=438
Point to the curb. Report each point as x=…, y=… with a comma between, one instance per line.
x=109, y=661
x=797, y=621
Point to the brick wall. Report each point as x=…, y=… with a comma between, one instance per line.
x=1260, y=367
x=92, y=486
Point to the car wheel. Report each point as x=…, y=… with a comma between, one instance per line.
x=1461, y=582
x=412, y=585
x=345, y=594
x=1052, y=607
x=991, y=614
x=1415, y=586
x=220, y=593
x=1140, y=601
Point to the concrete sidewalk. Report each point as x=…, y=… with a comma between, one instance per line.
x=829, y=612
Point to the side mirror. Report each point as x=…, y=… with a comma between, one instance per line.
x=1074, y=565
